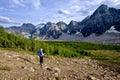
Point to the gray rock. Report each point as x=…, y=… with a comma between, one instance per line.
x=92, y=78
x=57, y=70
x=49, y=69
x=118, y=76
x=31, y=69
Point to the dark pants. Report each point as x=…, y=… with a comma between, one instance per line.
x=41, y=59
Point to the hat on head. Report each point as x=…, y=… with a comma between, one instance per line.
x=41, y=48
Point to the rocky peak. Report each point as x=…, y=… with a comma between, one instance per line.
x=40, y=25
x=61, y=22
x=48, y=24
x=44, y=29
x=62, y=26
x=50, y=29
x=101, y=20
x=73, y=23
x=101, y=10
x=27, y=25
x=73, y=27
x=51, y=26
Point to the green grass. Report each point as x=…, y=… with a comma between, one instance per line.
x=6, y=68
x=108, y=53
x=106, y=56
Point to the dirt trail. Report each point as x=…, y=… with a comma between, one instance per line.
x=15, y=66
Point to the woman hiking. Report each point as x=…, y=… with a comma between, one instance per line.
x=41, y=54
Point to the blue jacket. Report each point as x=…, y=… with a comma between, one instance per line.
x=40, y=53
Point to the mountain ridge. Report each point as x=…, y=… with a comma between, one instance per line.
x=98, y=23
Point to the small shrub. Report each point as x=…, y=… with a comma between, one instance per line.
x=85, y=53
x=56, y=52
x=5, y=68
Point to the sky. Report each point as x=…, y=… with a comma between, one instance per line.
x=17, y=12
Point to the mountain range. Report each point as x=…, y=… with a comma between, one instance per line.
x=98, y=24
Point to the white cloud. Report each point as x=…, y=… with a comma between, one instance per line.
x=75, y=7
x=25, y=3
x=116, y=2
x=36, y=4
x=18, y=3
x=65, y=12
x=37, y=10
x=7, y=20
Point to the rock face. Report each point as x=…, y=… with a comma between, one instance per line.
x=73, y=27
x=101, y=20
x=14, y=29
x=51, y=29
x=62, y=26
x=26, y=27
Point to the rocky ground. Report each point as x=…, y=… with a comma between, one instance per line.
x=16, y=66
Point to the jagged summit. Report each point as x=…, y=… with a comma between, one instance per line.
x=101, y=10
x=103, y=7
x=62, y=26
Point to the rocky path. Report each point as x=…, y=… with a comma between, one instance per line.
x=15, y=66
